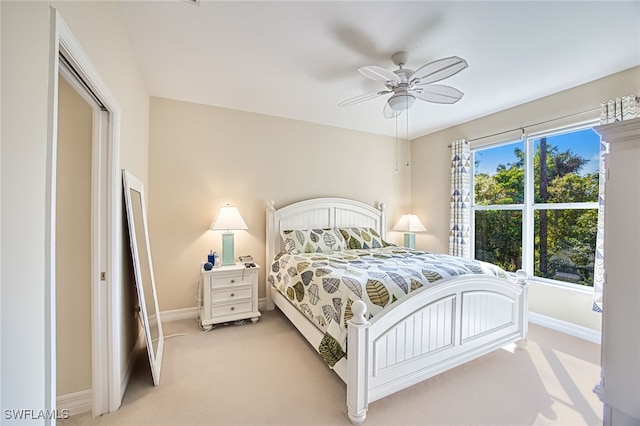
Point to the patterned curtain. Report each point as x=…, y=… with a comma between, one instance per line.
x=598, y=270
x=460, y=213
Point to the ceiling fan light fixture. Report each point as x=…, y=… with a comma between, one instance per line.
x=401, y=101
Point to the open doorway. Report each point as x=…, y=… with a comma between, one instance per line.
x=105, y=240
x=73, y=250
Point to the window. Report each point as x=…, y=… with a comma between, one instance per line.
x=535, y=205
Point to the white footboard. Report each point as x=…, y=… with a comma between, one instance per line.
x=436, y=329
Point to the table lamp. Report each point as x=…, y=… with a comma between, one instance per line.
x=228, y=220
x=410, y=224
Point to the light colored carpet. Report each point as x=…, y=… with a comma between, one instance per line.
x=267, y=374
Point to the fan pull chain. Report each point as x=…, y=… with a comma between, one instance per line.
x=407, y=121
x=396, y=143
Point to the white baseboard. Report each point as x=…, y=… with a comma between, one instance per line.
x=262, y=304
x=569, y=328
x=179, y=314
x=189, y=313
x=76, y=403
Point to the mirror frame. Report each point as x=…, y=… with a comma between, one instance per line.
x=155, y=358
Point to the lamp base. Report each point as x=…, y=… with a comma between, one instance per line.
x=410, y=240
x=227, y=249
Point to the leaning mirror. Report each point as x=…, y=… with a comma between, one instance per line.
x=143, y=271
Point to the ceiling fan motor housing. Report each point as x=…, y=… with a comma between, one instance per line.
x=404, y=74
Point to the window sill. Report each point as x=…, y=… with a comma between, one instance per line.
x=555, y=283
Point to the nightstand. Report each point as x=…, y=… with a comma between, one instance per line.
x=229, y=293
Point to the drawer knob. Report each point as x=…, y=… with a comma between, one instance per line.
x=233, y=294
x=233, y=281
x=233, y=308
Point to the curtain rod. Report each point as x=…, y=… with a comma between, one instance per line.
x=531, y=125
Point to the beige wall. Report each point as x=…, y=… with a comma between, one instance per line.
x=24, y=113
x=201, y=158
x=73, y=242
x=430, y=175
x=26, y=39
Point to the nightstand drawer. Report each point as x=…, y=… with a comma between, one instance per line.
x=228, y=294
x=238, y=307
x=230, y=280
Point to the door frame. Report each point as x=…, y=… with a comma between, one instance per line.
x=106, y=226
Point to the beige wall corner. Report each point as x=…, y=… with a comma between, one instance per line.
x=201, y=158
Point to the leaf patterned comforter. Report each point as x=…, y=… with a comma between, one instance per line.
x=323, y=286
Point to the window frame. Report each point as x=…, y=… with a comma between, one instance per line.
x=529, y=207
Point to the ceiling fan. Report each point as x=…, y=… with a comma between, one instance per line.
x=407, y=85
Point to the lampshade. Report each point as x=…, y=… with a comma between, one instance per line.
x=401, y=101
x=409, y=223
x=228, y=219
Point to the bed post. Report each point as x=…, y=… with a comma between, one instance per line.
x=521, y=279
x=383, y=221
x=357, y=394
x=271, y=225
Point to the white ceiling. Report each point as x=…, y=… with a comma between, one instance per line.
x=299, y=59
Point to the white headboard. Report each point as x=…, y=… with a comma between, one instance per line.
x=318, y=213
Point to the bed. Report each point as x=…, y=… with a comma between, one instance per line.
x=420, y=331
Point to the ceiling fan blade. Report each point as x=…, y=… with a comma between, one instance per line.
x=389, y=112
x=437, y=93
x=437, y=70
x=362, y=98
x=380, y=74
